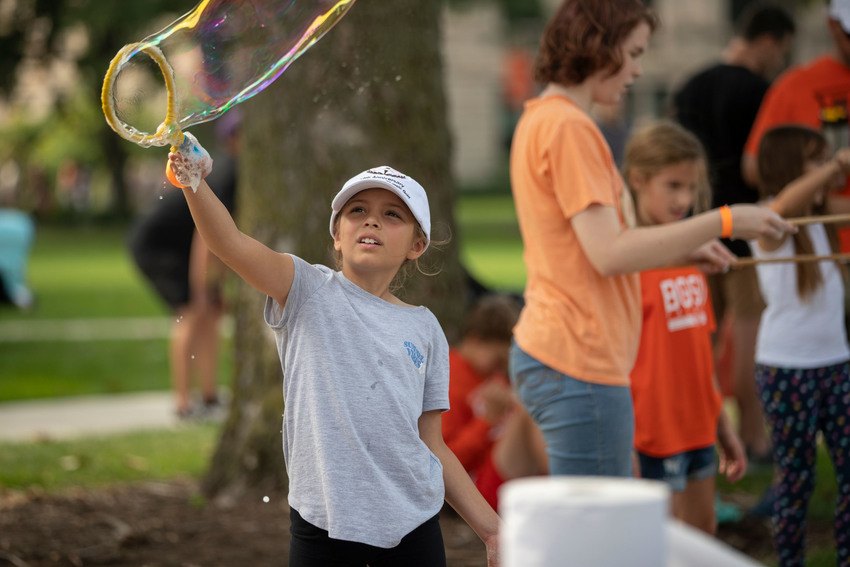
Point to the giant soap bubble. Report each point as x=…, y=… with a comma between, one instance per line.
x=221, y=53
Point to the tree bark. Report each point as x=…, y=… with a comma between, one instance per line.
x=369, y=94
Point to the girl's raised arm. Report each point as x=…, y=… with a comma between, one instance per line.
x=797, y=196
x=266, y=270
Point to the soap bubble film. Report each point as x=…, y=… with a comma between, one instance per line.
x=218, y=55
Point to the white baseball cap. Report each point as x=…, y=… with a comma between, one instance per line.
x=839, y=10
x=385, y=177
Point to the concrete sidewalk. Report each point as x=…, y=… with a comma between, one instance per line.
x=66, y=418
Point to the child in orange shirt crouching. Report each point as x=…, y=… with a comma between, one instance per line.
x=492, y=435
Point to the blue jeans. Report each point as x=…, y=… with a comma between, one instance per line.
x=588, y=428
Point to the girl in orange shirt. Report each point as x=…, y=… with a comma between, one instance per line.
x=578, y=333
x=677, y=402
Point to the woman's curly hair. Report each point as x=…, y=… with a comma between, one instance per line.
x=584, y=36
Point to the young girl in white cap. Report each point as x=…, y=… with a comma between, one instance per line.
x=365, y=377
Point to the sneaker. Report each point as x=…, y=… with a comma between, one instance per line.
x=185, y=414
x=727, y=512
x=212, y=410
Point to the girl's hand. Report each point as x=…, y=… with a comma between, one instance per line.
x=842, y=158
x=752, y=221
x=492, y=401
x=733, y=457
x=190, y=163
x=712, y=257
x=491, y=544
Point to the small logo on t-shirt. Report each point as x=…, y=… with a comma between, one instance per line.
x=684, y=298
x=415, y=356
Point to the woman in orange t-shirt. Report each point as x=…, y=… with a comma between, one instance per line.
x=578, y=334
x=677, y=402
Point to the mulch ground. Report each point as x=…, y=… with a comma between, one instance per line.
x=165, y=524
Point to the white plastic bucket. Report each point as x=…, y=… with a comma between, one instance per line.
x=583, y=522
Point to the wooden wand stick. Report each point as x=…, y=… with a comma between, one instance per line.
x=743, y=262
x=801, y=221
x=823, y=219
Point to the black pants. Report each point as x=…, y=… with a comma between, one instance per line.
x=311, y=547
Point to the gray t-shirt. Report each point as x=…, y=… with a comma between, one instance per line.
x=358, y=372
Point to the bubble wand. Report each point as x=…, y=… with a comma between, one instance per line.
x=219, y=54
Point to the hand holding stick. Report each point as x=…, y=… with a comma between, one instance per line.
x=802, y=221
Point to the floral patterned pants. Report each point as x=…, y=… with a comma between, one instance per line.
x=799, y=403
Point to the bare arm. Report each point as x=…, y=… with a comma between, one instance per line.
x=797, y=195
x=614, y=250
x=263, y=268
x=733, y=457
x=461, y=493
x=750, y=170
x=838, y=205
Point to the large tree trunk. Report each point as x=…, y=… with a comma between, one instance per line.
x=370, y=93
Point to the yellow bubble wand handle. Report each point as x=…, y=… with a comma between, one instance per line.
x=167, y=133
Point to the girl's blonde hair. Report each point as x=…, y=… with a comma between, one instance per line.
x=662, y=144
x=782, y=156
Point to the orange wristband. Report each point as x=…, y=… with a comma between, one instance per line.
x=725, y=222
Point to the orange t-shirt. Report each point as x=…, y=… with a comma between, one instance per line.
x=797, y=98
x=575, y=320
x=675, y=399
x=465, y=434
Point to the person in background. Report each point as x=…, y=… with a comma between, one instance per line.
x=189, y=279
x=578, y=334
x=679, y=417
x=517, y=87
x=719, y=104
x=490, y=432
x=17, y=232
x=802, y=355
x=814, y=94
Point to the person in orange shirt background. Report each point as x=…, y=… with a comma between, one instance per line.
x=486, y=428
x=578, y=333
x=678, y=406
x=814, y=94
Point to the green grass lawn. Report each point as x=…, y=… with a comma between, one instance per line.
x=84, y=272
x=75, y=368
x=491, y=247
x=98, y=461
